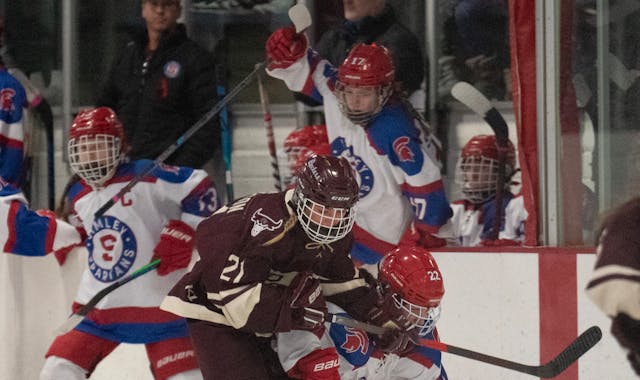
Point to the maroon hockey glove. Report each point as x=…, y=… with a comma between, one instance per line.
x=307, y=303
x=395, y=341
x=386, y=313
x=318, y=365
x=627, y=332
x=175, y=247
x=284, y=47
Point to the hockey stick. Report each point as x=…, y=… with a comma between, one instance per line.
x=184, y=137
x=227, y=142
x=76, y=318
x=264, y=102
x=583, y=343
x=474, y=99
x=433, y=144
x=301, y=18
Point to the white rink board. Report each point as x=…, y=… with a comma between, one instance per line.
x=491, y=306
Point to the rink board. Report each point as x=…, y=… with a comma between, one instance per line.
x=524, y=305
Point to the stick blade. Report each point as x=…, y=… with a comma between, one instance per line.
x=300, y=16
x=573, y=352
x=471, y=97
x=69, y=324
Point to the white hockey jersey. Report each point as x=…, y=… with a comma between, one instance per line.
x=359, y=360
x=122, y=240
x=472, y=224
x=399, y=182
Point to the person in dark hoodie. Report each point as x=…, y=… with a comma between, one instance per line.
x=369, y=21
x=160, y=85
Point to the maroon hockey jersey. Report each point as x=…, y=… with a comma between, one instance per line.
x=250, y=250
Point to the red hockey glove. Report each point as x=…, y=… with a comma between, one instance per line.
x=175, y=247
x=318, y=365
x=499, y=243
x=284, y=47
x=627, y=332
x=419, y=235
x=305, y=307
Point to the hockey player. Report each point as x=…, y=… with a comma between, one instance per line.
x=267, y=262
x=26, y=232
x=367, y=123
x=615, y=282
x=155, y=219
x=410, y=276
x=473, y=216
x=303, y=143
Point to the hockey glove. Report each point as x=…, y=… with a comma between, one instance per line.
x=627, y=332
x=421, y=236
x=306, y=304
x=386, y=313
x=284, y=47
x=321, y=364
x=175, y=247
x=395, y=341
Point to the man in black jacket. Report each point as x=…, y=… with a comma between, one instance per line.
x=161, y=84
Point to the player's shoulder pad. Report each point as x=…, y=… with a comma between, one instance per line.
x=392, y=123
x=167, y=173
x=352, y=344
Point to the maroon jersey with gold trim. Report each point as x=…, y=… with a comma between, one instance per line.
x=250, y=251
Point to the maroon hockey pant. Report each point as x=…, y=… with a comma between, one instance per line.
x=224, y=353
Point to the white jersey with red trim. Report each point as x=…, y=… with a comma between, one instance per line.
x=27, y=232
x=358, y=359
x=123, y=239
x=399, y=183
x=471, y=224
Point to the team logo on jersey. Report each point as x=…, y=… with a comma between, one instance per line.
x=364, y=175
x=6, y=99
x=112, y=249
x=172, y=69
x=262, y=222
x=402, y=149
x=355, y=340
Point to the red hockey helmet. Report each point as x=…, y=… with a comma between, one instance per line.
x=300, y=140
x=325, y=196
x=323, y=149
x=95, y=145
x=477, y=168
x=412, y=274
x=365, y=82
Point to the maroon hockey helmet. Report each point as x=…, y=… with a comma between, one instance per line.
x=365, y=82
x=95, y=145
x=413, y=276
x=325, y=196
x=477, y=168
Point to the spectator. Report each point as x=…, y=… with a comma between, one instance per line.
x=368, y=21
x=267, y=262
x=401, y=189
x=614, y=283
x=477, y=48
x=155, y=219
x=161, y=84
x=473, y=216
x=409, y=276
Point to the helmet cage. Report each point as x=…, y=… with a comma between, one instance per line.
x=477, y=175
x=335, y=223
x=94, y=157
x=358, y=117
x=424, y=317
